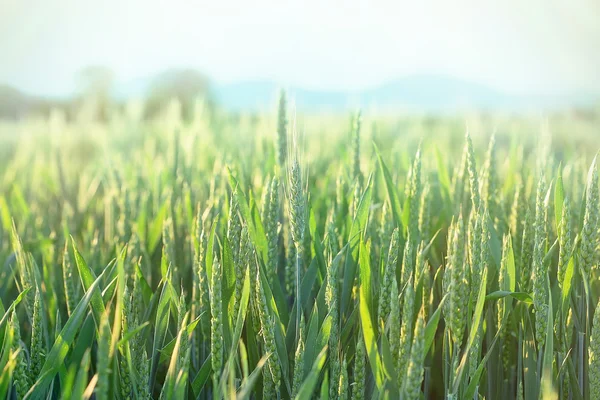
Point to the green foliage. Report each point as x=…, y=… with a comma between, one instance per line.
x=230, y=260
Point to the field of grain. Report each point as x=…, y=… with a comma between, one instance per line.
x=279, y=256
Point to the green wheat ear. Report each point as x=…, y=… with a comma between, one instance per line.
x=459, y=179
x=414, y=194
x=184, y=354
x=343, y=381
x=455, y=284
x=564, y=241
x=203, y=297
x=527, y=253
x=299, y=359
x=359, y=373
x=422, y=276
x=594, y=356
x=539, y=273
x=520, y=391
x=272, y=224
x=335, y=369
x=414, y=372
x=267, y=323
x=408, y=260
x=386, y=226
x=21, y=380
x=476, y=241
x=296, y=209
x=234, y=227
x=516, y=222
x=333, y=244
x=394, y=325
x=356, y=123
x=134, y=255
x=216, y=321
x=503, y=284
x=282, y=129
x=340, y=194
x=425, y=212
x=307, y=241
x=169, y=246
x=406, y=330
x=473, y=177
x=240, y=270
x=38, y=351
x=290, y=266
x=589, y=231
x=68, y=280
x=489, y=189
x=297, y=216
x=388, y=274
x=126, y=323
x=331, y=300
x=269, y=391
x=144, y=390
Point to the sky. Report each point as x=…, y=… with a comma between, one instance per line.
x=517, y=47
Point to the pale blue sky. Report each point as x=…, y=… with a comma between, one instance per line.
x=519, y=47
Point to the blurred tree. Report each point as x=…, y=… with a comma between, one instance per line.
x=184, y=85
x=13, y=103
x=95, y=88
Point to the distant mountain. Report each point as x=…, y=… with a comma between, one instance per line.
x=419, y=93
x=14, y=103
x=427, y=93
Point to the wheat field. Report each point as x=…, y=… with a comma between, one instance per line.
x=279, y=256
